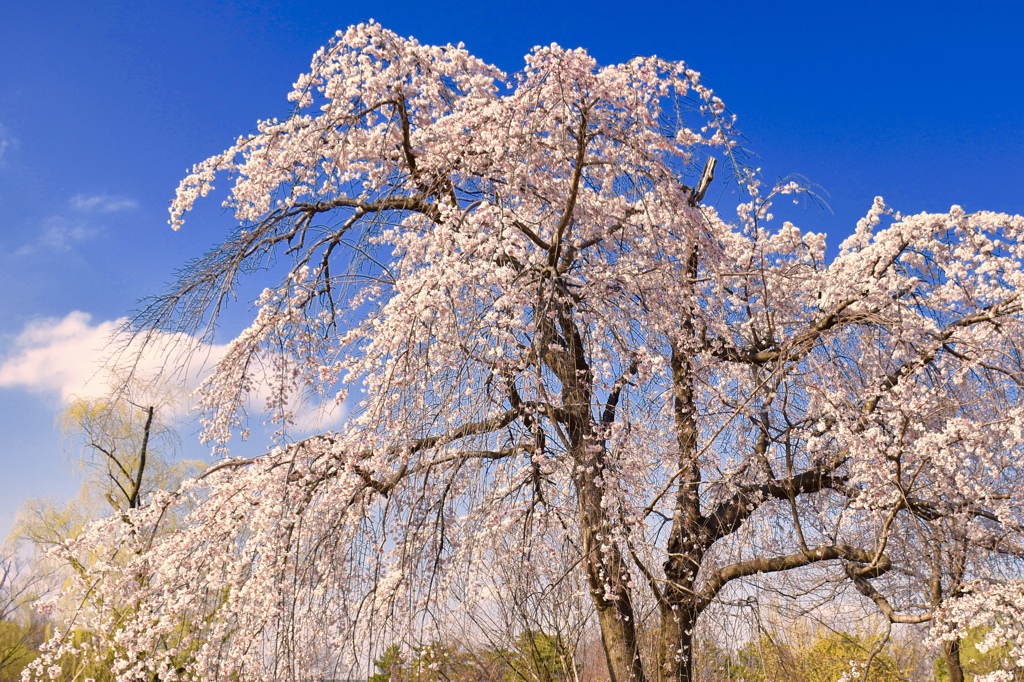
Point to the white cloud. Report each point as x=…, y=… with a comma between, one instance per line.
x=102, y=203
x=60, y=234
x=73, y=357
x=57, y=356
x=312, y=417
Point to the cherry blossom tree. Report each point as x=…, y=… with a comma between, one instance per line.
x=557, y=362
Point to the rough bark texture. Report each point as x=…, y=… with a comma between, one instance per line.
x=951, y=655
x=607, y=572
x=607, y=578
x=956, y=558
x=686, y=546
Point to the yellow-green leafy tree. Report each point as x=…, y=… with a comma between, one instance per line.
x=21, y=630
x=124, y=445
x=823, y=658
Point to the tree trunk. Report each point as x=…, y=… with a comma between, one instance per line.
x=608, y=575
x=951, y=655
x=686, y=541
x=675, y=643
x=620, y=646
x=950, y=649
x=608, y=580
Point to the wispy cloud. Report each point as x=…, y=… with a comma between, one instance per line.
x=58, y=234
x=5, y=141
x=102, y=203
x=72, y=356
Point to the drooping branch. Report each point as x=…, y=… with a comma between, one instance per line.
x=536, y=232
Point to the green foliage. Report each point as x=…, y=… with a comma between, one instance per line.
x=19, y=646
x=762, y=660
x=22, y=630
x=972, y=661
x=127, y=444
x=391, y=666
x=823, y=659
x=434, y=662
x=830, y=656
x=537, y=657
x=125, y=452
x=438, y=662
x=126, y=448
x=78, y=668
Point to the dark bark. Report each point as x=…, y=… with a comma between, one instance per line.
x=136, y=492
x=951, y=656
x=687, y=540
x=675, y=639
x=606, y=570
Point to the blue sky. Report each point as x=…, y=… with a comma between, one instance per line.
x=103, y=105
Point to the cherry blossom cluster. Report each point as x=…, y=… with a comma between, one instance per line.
x=997, y=608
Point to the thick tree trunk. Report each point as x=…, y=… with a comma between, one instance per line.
x=620, y=646
x=951, y=649
x=608, y=580
x=608, y=575
x=951, y=655
x=675, y=643
x=686, y=541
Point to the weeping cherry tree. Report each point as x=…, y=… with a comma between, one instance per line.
x=556, y=360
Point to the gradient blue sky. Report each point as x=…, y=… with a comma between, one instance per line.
x=103, y=105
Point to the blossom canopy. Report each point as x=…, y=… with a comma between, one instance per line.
x=560, y=369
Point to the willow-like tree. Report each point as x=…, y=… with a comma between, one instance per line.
x=554, y=356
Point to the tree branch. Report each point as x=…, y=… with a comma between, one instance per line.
x=786, y=562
